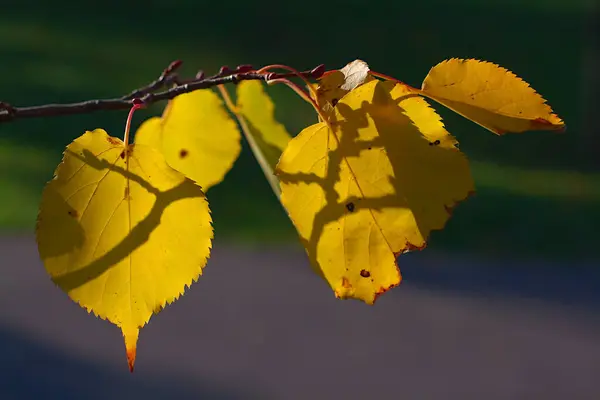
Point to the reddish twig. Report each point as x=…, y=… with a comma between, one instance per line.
x=148, y=94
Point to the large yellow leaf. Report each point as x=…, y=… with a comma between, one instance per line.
x=371, y=188
x=122, y=232
x=257, y=109
x=196, y=135
x=489, y=95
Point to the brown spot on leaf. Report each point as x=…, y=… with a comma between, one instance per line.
x=350, y=206
x=128, y=151
x=346, y=283
x=113, y=140
x=437, y=142
x=364, y=273
x=73, y=213
x=334, y=102
x=183, y=153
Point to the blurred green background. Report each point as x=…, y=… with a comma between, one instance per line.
x=537, y=193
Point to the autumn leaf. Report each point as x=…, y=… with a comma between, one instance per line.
x=371, y=184
x=257, y=109
x=334, y=85
x=266, y=137
x=489, y=95
x=121, y=232
x=196, y=135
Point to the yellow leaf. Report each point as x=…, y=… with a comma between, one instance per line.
x=489, y=95
x=121, y=232
x=334, y=85
x=258, y=111
x=196, y=135
x=371, y=188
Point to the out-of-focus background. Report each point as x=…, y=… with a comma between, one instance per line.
x=503, y=303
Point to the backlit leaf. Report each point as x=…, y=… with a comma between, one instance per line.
x=121, y=232
x=196, y=135
x=371, y=188
x=489, y=95
x=266, y=137
x=258, y=111
x=334, y=85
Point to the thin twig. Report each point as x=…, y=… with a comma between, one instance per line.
x=147, y=94
x=167, y=75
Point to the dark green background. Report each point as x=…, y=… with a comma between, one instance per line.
x=538, y=192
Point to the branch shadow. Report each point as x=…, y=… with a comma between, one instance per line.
x=138, y=235
x=414, y=161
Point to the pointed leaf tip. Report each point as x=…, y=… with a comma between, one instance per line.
x=131, y=359
x=131, y=338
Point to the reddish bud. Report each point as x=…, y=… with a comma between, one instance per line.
x=244, y=68
x=173, y=66
x=225, y=70
x=317, y=71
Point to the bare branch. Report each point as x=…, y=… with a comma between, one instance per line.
x=148, y=94
x=168, y=75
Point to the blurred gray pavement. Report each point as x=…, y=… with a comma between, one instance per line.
x=260, y=325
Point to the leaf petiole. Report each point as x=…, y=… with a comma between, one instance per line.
x=137, y=104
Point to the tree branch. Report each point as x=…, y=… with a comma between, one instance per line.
x=148, y=94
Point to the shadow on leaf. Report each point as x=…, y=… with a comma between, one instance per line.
x=406, y=181
x=138, y=235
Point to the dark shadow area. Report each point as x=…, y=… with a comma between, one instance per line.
x=30, y=370
x=504, y=225
x=450, y=30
